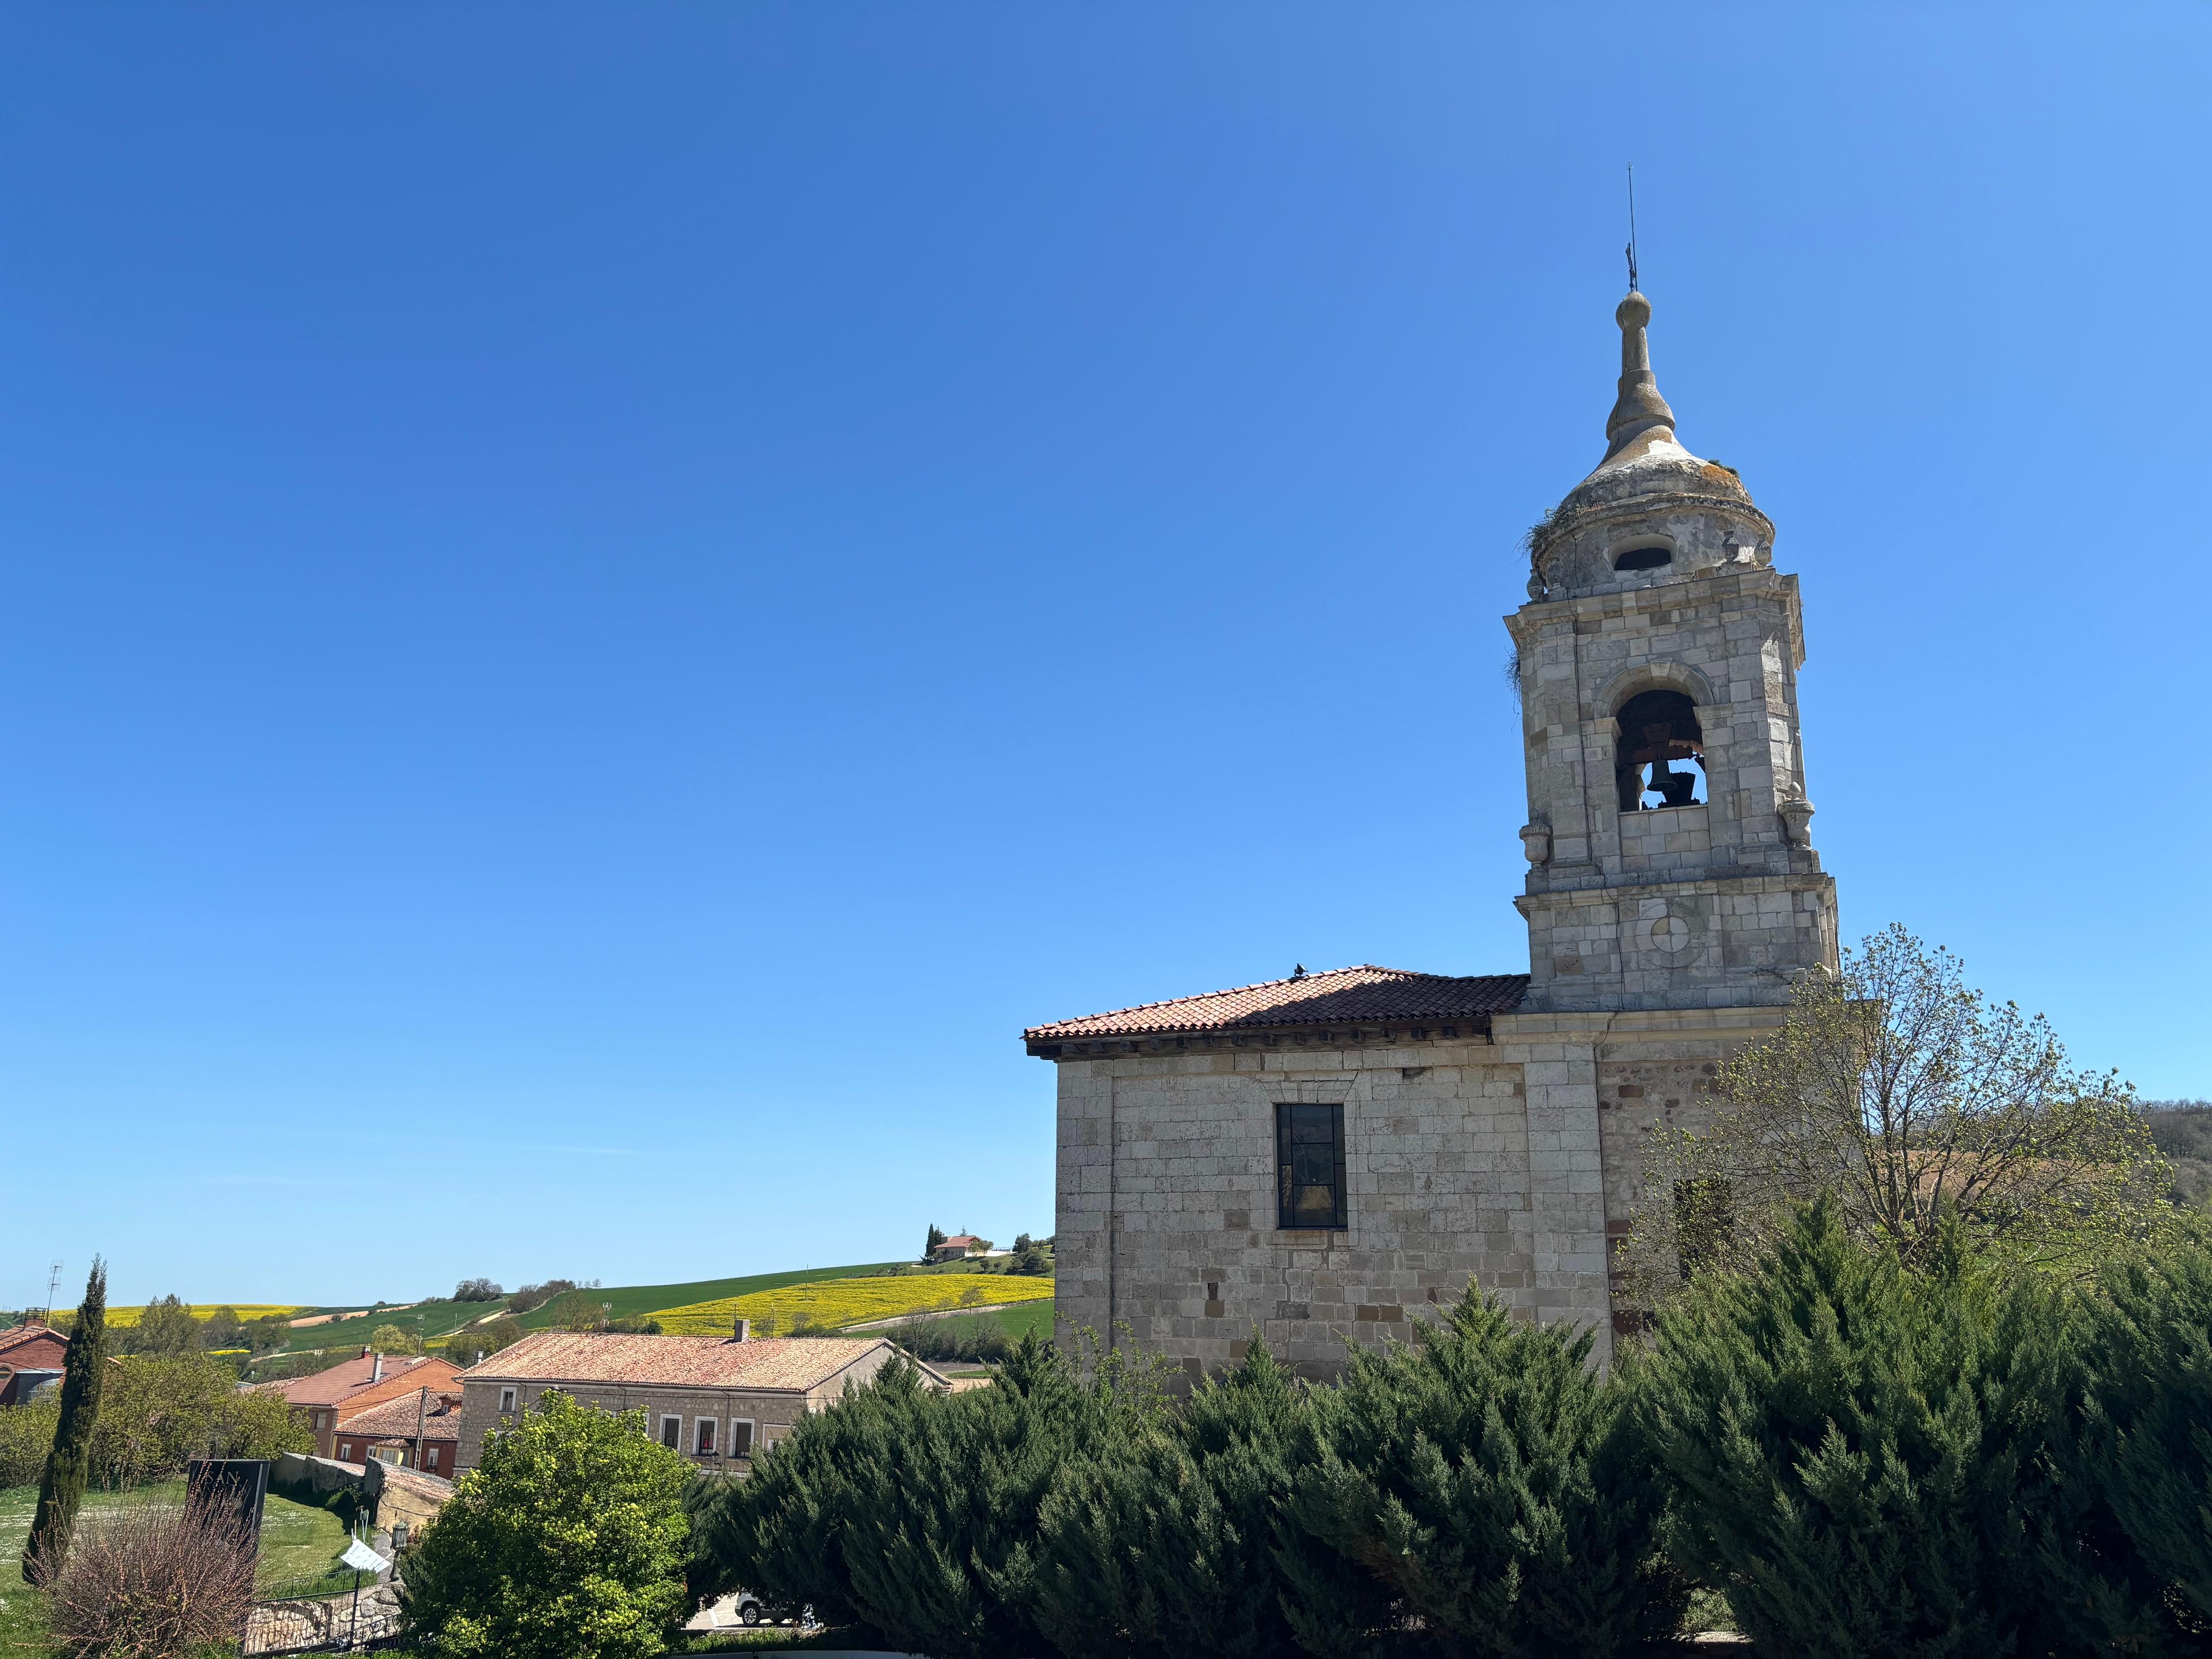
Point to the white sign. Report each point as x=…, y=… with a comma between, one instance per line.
x=361, y=1558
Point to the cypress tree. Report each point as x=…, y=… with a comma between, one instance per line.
x=61, y=1488
x=1496, y=1486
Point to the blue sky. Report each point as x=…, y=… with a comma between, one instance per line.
x=602, y=603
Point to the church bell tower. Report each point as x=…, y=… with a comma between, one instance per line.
x=1669, y=834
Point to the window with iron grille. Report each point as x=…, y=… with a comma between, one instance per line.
x=1310, y=1188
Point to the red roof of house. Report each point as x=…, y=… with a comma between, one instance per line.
x=1361, y=995
x=961, y=1238
x=395, y=1418
x=344, y=1383
x=33, y=1348
x=784, y=1364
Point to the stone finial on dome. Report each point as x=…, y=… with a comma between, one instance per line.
x=1639, y=408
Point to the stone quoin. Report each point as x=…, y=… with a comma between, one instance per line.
x=1323, y=1156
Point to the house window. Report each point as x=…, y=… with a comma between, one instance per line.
x=506, y=1402
x=672, y=1432
x=1310, y=1187
x=706, y=1447
x=429, y=1457
x=741, y=1438
x=345, y=1451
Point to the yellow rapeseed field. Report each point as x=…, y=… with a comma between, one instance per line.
x=828, y=1303
x=243, y=1310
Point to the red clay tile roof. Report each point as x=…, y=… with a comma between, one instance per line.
x=1364, y=994
x=340, y=1383
x=784, y=1364
x=395, y=1419
x=31, y=1344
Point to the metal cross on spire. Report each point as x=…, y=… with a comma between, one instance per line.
x=1632, y=228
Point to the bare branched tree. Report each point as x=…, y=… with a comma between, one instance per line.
x=1918, y=1105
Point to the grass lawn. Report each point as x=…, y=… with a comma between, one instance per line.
x=1030, y=1316
x=298, y=1544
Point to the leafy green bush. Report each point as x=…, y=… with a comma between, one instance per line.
x=1864, y=1458
x=157, y=1414
x=1162, y=1543
x=27, y=1435
x=1495, y=1486
x=567, y=1542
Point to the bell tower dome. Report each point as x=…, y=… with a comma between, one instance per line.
x=1669, y=838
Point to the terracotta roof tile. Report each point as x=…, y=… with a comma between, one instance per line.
x=22, y=1344
x=1364, y=995
x=793, y=1363
x=395, y=1418
x=340, y=1383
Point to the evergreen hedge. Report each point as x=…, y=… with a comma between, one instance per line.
x=1487, y=1477
x=1863, y=1459
x=1163, y=1543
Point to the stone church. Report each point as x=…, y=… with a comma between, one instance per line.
x=1316, y=1158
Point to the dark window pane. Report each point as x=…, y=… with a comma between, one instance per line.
x=1309, y=1165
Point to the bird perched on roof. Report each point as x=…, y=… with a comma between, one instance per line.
x=1298, y=971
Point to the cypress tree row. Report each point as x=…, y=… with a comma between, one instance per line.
x=1494, y=1484
x=61, y=1488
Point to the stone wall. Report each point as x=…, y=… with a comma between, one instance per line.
x=1167, y=1204
x=771, y=1412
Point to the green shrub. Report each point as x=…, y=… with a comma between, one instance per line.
x=2150, y=1443
x=1495, y=1486
x=914, y=1513
x=1864, y=1458
x=567, y=1542
x=1162, y=1544
x=27, y=1435
x=157, y=1414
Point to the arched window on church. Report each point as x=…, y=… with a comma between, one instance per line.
x=1661, y=758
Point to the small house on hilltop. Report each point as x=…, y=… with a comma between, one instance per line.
x=959, y=1247
x=711, y=1398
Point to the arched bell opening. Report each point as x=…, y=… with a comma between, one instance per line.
x=1659, y=733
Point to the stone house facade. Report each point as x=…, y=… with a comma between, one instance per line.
x=1317, y=1158
x=714, y=1399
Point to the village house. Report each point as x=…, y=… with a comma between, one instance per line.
x=31, y=1356
x=959, y=1247
x=420, y=1429
x=330, y=1398
x=714, y=1399
x=1314, y=1158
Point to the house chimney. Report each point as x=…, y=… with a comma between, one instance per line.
x=743, y=1330
x=376, y=1370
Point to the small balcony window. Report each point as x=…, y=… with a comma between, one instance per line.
x=706, y=1439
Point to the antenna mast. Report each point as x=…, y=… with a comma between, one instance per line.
x=1632, y=227
x=53, y=1284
